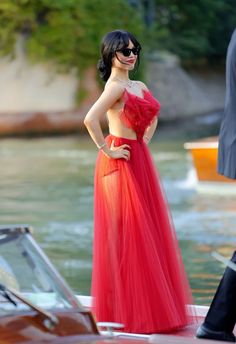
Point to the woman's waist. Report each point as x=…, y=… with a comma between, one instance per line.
x=119, y=140
x=123, y=134
x=118, y=129
x=126, y=131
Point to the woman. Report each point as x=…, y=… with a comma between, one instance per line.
x=138, y=277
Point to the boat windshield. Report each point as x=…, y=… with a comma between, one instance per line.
x=26, y=269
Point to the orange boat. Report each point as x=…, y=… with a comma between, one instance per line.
x=204, y=153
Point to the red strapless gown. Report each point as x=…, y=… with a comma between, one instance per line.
x=138, y=277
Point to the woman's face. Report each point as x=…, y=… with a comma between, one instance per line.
x=126, y=57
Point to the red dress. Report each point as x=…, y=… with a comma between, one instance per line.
x=138, y=277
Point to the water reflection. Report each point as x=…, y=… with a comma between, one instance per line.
x=49, y=183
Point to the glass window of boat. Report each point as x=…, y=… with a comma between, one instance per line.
x=24, y=268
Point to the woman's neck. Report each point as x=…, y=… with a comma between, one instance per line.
x=120, y=74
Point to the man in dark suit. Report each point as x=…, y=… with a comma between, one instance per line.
x=221, y=317
x=227, y=137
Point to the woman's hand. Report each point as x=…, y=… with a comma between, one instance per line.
x=120, y=152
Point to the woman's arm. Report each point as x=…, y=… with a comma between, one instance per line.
x=150, y=131
x=112, y=92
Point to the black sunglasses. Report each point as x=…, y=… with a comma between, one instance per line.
x=127, y=51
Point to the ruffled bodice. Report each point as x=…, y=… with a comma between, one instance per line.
x=138, y=113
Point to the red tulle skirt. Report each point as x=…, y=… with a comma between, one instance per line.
x=138, y=277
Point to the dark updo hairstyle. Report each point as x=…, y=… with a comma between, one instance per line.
x=111, y=43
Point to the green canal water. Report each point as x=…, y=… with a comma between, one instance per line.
x=48, y=183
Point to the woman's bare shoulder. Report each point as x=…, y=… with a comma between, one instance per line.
x=112, y=92
x=114, y=86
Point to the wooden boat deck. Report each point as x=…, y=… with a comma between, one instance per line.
x=185, y=335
